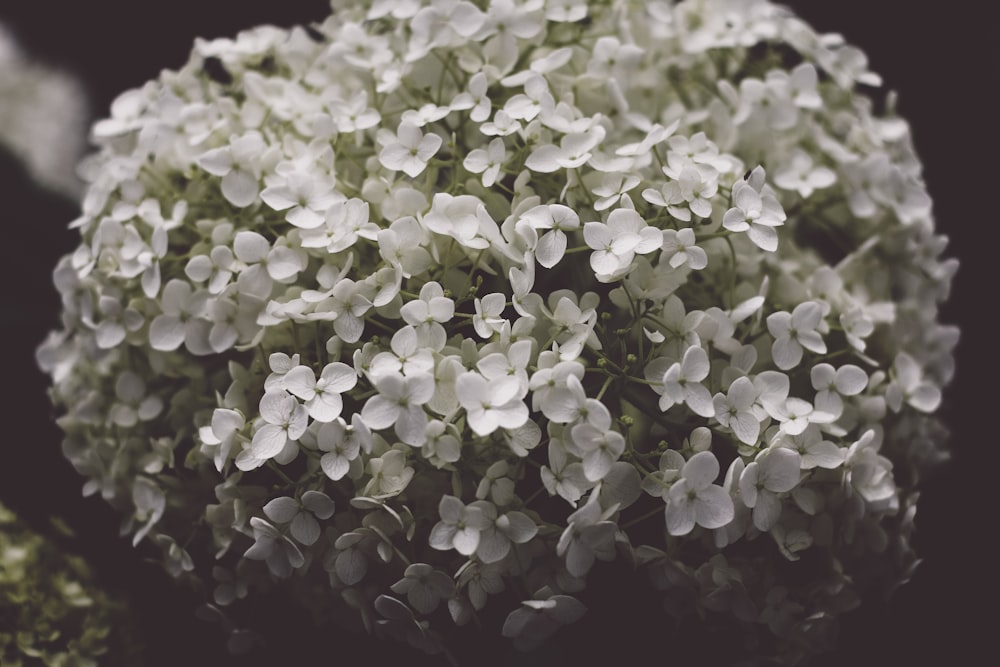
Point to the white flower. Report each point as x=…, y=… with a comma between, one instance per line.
x=501, y=126
x=857, y=326
x=600, y=449
x=407, y=357
x=304, y=194
x=486, y=162
x=618, y=241
x=150, y=503
x=502, y=531
x=239, y=166
x=869, y=474
x=283, y=420
x=279, y=363
x=589, y=535
x=566, y=11
x=410, y=150
x=464, y=218
x=497, y=485
x=264, y=263
x=280, y=553
x=735, y=410
x=481, y=580
x=690, y=192
x=775, y=471
x=322, y=395
x=424, y=587
x=342, y=445
x=611, y=58
x=301, y=514
x=565, y=405
x=475, y=99
x=558, y=219
x=222, y=433
x=658, y=483
x=756, y=212
x=573, y=151
x=801, y=175
x=573, y=322
x=512, y=362
x=429, y=313
x=679, y=249
x=399, y=403
x=346, y=304
x=180, y=322
x=814, y=450
x=694, y=499
x=491, y=404
x=535, y=99
x=487, y=319
x=682, y=383
x=389, y=475
x=374, y=283
x=831, y=384
x=909, y=385
x=401, y=245
x=551, y=373
x=794, y=331
x=613, y=189
x=341, y=225
x=133, y=405
x=216, y=268
x=564, y=477
x=354, y=114
x=460, y=526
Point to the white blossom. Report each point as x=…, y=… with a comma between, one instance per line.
x=694, y=499
x=399, y=403
x=774, y=472
x=734, y=409
x=410, y=150
x=460, y=526
x=405, y=252
x=909, y=385
x=794, y=331
x=321, y=395
x=589, y=535
x=755, y=211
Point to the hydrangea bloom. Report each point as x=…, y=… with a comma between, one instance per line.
x=428, y=263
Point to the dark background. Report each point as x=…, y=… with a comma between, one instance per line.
x=940, y=59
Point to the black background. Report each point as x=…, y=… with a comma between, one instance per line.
x=937, y=55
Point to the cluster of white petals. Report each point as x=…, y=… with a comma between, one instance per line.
x=43, y=117
x=438, y=300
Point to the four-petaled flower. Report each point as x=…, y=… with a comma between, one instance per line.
x=460, y=526
x=283, y=421
x=694, y=499
x=755, y=211
x=410, y=150
x=491, y=404
x=734, y=409
x=775, y=471
x=322, y=395
x=617, y=242
x=794, y=331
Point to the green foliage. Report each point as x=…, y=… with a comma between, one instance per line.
x=52, y=611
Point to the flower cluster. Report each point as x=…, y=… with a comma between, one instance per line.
x=440, y=301
x=43, y=117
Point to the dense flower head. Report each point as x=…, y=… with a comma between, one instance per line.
x=353, y=300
